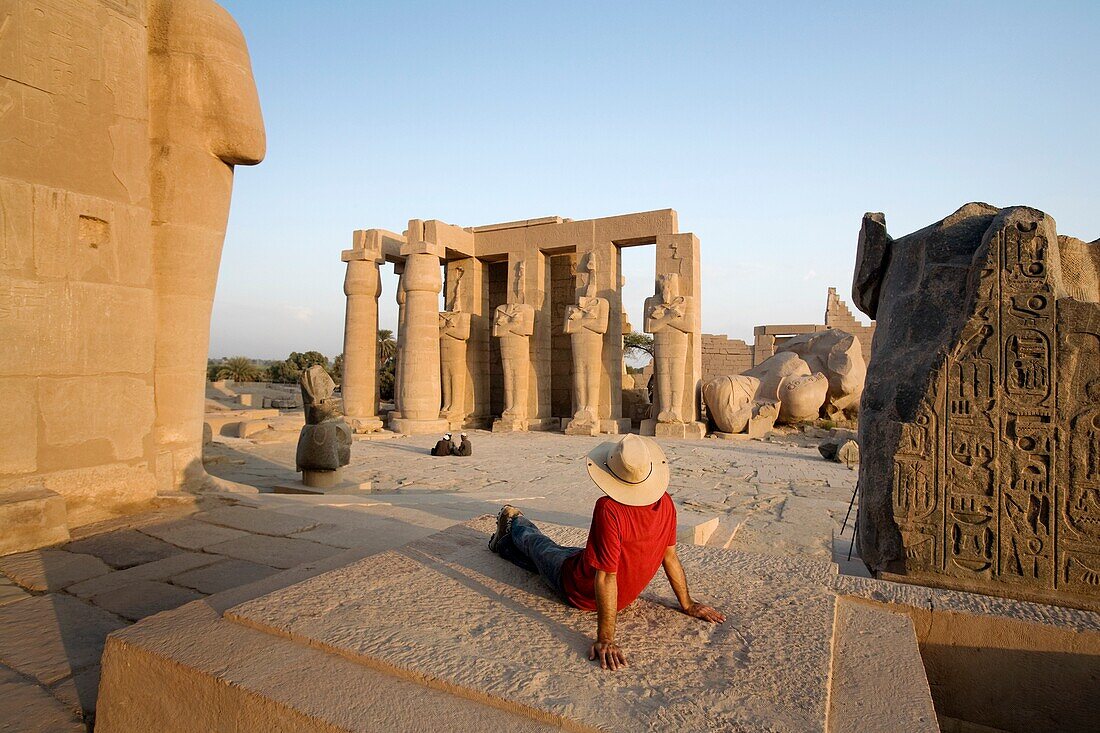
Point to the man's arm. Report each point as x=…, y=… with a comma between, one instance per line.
x=607, y=605
x=678, y=580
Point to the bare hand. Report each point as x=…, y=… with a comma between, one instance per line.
x=706, y=613
x=610, y=655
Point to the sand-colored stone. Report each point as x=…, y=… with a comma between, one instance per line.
x=255, y=521
x=31, y=518
x=124, y=548
x=279, y=552
x=738, y=676
x=980, y=428
x=49, y=637
x=190, y=534
x=839, y=356
x=10, y=592
x=586, y=323
x=223, y=575
x=673, y=319
x=156, y=570
x=143, y=598
x=116, y=163
x=32, y=709
x=47, y=570
x=362, y=286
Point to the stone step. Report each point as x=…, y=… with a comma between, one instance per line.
x=31, y=518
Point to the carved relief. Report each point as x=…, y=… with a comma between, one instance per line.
x=995, y=478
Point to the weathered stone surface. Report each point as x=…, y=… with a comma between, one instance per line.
x=684, y=674
x=10, y=592
x=42, y=570
x=27, y=708
x=871, y=645
x=980, y=422
x=49, y=637
x=280, y=552
x=143, y=598
x=31, y=518
x=256, y=521
x=839, y=356
x=158, y=570
x=190, y=534
x=325, y=441
x=223, y=575
x=124, y=548
x=79, y=692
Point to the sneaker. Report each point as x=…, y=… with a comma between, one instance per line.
x=505, y=516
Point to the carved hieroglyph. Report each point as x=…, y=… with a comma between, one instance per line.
x=670, y=317
x=980, y=423
x=454, y=333
x=586, y=323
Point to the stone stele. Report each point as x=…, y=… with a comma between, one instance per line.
x=121, y=126
x=980, y=421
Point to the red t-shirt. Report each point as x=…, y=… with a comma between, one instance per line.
x=629, y=541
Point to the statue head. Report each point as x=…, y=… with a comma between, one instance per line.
x=668, y=286
x=317, y=401
x=588, y=275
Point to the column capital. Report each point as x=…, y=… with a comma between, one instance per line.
x=366, y=244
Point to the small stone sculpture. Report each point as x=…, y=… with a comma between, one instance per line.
x=734, y=405
x=586, y=323
x=840, y=447
x=513, y=324
x=324, y=445
x=670, y=318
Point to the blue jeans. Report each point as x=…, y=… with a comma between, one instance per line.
x=530, y=549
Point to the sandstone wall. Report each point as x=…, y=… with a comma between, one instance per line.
x=77, y=300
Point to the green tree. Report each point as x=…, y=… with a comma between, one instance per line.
x=283, y=372
x=239, y=369
x=337, y=370
x=303, y=361
x=387, y=345
x=635, y=344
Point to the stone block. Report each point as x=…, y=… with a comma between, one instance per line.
x=19, y=451
x=143, y=598
x=190, y=534
x=687, y=674
x=157, y=570
x=94, y=420
x=338, y=487
x=26, y=707
x=872, y=648
x=49, y=637
x=223, y=575
x=79, y=692
x=124, y=548
x=95, y=493
x=280, y=552
x=31, y=518
x=47, y=570
x=677, y=431
x=256, y=521
x=246, y=428
x=10, y=592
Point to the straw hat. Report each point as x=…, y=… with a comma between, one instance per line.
x=632, y=471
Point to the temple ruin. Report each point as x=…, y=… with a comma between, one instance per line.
x=531, y=334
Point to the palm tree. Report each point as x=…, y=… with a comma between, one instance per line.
x=239, y=369
x=387, y=345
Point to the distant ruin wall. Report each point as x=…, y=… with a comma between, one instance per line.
x=723, y=355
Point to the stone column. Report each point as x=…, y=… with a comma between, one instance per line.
x=586, y=324
x=672, y=315
x=419, y=391
x=362, y=286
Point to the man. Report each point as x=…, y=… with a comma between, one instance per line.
x=443, y=446
x=633, y=533
x=465, y=448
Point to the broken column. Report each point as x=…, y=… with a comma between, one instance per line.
x=362, y=286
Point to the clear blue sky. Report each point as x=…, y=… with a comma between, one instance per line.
x=770, y=127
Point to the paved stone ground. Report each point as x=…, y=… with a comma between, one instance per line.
x=58, y=604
